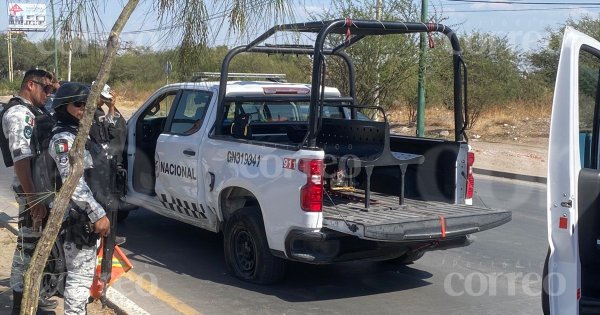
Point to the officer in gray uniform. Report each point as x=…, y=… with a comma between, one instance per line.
x=109, y=129
x=86, y=219
x=18, y=123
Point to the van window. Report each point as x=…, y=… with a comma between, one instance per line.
x=589, y=67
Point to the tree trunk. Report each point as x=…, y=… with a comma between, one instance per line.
x=33, y=275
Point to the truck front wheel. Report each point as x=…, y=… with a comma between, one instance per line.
x=247, y=252
x=407, y=258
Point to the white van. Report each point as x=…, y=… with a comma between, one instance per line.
x=572, y=268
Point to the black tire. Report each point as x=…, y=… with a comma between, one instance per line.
x=407, y=258
x=247, y=253
x=122, y=215
x=545, y=297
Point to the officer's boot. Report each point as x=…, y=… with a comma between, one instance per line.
x=44, y=305
x=17, y=298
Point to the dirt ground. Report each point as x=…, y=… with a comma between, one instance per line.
x=7, y=245
x=8, y=242
x=524, y=150
x=520, y=158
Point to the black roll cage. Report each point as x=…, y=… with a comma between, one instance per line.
x=359, y=29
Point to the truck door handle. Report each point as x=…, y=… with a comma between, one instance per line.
x=189, y=152
x=211, y=185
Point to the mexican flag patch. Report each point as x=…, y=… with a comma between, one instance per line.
x=29, y=120
x=62, y=146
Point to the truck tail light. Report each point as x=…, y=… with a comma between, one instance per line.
x=311, y=194
x=470, y=179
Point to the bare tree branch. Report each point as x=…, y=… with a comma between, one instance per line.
x=33, y=276
x=82, y=17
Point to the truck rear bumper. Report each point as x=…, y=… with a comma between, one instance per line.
x=329, y=246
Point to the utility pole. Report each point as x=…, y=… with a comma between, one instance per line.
x=421, y=86
x=70, y=57
x=10, y=56
x=378, y=12
x=54, y=37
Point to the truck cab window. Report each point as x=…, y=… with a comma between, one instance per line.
x=589, y=67
x=281, y=111
x=189, y=112
x=161, y=106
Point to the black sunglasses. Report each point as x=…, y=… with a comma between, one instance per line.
x=78, y=104
x=48, y=88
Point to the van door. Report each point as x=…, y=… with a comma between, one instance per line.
x=179, y=181
x=572, y=270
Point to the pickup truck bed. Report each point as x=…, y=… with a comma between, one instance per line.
x=386, y=220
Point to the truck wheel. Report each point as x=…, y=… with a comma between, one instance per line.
x=545, y=297
x=407, y=258
x=247, y=253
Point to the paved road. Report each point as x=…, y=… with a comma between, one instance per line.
x=498, y=274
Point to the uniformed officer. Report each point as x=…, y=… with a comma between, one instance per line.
x=87, y=220
x=17, y=126
x=109, y=129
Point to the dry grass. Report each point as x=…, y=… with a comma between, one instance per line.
x=132, y=95
x=515, y=122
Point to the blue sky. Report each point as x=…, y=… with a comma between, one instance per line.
x=522, y=24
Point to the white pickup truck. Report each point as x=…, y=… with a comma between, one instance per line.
x=291, y=171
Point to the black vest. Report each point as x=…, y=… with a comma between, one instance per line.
x=42, y=129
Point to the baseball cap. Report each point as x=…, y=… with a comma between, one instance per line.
x=105, y=93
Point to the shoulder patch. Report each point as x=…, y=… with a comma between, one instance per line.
x=61, y=146
x=27, y=131
x=29, y=120
x=63, y=160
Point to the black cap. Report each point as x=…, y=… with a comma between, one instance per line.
x=70, y=92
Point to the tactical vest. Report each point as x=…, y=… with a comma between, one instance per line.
x=46, y=178
x=106, y=147
x=42, y=129
x=98, y=178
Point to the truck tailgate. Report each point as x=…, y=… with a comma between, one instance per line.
x=386, y=220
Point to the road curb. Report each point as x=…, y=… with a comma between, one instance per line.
x=12, y=227
x=527, y=178
x=117, y=301
x=121, y=304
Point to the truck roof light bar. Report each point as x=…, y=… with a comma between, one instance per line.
x=289, y=46
x=285, y=90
